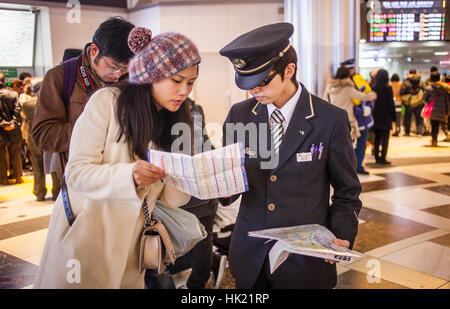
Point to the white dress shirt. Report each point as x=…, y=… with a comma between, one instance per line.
x=288, y=109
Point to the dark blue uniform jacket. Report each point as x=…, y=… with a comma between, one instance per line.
x=294, y=193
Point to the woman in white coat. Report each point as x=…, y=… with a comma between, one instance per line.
x=340, y=92
x=107, y=174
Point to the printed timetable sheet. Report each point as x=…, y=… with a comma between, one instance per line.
x=211, y=174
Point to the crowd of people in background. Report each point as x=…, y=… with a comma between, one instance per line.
x=377, y=106
x=18, y=152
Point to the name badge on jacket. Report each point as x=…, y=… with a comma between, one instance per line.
x=304, y=157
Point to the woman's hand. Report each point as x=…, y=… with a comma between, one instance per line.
x=145, y=173
x=339, y=242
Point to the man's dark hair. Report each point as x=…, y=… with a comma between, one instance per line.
x=289, y=57
x=412, y=71
x=24, y=75
x=111, y=37
x=433, y=69
x=395, y=78
x=342, y=73
x=435, y=77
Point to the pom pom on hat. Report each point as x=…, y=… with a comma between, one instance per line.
x=166, y=54
x=138, y=39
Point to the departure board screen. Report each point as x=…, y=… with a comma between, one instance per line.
x=408, y=21
x=17, y=38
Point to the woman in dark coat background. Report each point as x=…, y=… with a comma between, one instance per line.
x=383, y=114
x=439, y=92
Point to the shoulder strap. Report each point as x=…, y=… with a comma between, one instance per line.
x=70, y=76
x=65, y=196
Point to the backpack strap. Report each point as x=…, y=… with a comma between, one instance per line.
x=66, y=202
x=70, y=76
x=72, y=68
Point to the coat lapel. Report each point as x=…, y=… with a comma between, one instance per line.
x=299, y=128
x=261, y=116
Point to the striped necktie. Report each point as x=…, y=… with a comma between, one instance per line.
x=276, y=121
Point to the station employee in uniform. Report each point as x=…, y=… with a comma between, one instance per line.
x=312, y=141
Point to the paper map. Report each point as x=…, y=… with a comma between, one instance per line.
x=207, y=175
x=311, y=239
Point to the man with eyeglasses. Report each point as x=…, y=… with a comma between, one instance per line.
x=311, y=139
x=103, y=62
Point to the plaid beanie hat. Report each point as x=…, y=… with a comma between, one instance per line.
x=160, y=57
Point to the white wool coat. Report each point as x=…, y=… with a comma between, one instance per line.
x=341, y=92
x=101, y=248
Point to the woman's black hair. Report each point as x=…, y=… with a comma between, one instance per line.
x=111, y=37
x=342, y=73
x=141, y=123
x=395, y=78
x=382, y=78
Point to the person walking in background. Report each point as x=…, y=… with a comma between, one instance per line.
x=37, y=161
x=411, y=93
x=426, y=121
x=340, y=92
x=11, y=136
x=436, y=96
x=433, y=69
x=383, y=114
x=396, y=84
x=362, y=109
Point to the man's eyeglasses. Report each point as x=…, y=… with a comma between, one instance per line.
x=112, y=69
x=267, y=80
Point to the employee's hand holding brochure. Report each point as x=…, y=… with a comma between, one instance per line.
x=312, y=240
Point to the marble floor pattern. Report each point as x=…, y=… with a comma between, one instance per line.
x=404, y=230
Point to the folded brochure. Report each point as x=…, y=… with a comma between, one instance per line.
x=311, y=240
x=207, y=175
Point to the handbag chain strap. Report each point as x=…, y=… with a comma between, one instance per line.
x=148, y=221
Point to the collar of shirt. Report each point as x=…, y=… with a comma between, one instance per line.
x=288, y=109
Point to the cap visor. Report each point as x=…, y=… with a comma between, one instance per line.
x=247, y=82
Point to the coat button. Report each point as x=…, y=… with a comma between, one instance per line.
x=271, y=207
x=273, y=178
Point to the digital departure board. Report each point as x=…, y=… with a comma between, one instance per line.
x=408, y=21
x=17, y=38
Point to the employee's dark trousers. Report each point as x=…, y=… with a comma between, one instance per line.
x=201, y=257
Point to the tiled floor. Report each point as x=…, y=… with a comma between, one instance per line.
x=404, y=231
